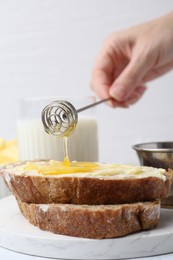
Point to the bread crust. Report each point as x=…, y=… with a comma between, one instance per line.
x=95, y=222
x=86, y=190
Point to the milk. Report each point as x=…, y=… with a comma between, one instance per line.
x=35, y=143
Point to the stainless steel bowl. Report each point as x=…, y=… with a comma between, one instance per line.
x=156, y=154
x=159, y=155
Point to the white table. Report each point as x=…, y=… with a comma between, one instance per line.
x=30, y=243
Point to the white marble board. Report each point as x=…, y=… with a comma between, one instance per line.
x=18, y=235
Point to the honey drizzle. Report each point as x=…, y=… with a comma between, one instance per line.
x=66, y=157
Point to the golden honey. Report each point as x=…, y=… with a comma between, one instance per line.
x=66, y=157
x=55, y=167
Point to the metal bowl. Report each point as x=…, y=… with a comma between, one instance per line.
x=159, y=155
x=156, y=154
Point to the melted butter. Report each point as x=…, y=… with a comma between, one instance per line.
x=90, y=169
x=56, y=167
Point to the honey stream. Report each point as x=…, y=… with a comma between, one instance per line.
x=66, y=157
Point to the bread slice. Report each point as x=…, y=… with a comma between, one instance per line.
x=97, y=222
x=104, y=184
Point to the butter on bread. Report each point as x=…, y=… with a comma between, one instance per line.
x=96, y=222
x=85, y=183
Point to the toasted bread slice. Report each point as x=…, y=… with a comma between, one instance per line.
x=87, y=221
x=39, y=182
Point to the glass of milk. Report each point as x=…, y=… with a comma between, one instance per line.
x=34, y=143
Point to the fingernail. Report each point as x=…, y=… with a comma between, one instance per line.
x=118, y=92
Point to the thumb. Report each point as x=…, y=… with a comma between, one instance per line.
x=125, y=84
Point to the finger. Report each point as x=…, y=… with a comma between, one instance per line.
x=138, y=93
x=131, y=76
x=113, y=103
x=100, y=83
x=102, y=73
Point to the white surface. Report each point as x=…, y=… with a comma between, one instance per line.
x=18, y=235
x=49, y=48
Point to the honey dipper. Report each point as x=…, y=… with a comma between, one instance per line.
x=60, y=117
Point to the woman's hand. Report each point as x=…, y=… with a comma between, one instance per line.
x=130, y=58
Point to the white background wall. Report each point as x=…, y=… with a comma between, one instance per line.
x=48, y=47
